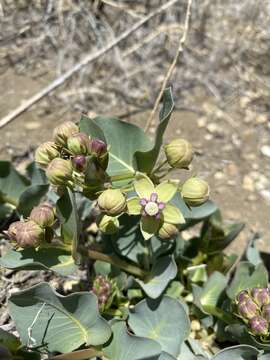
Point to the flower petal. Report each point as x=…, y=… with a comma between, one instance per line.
x=166, y=190
x=133, y=205
x=172, y=215
x=149, y=226
x=144, y=187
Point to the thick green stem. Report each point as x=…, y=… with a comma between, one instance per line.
x=116, y=261
x=124, y=176
x=79, y=355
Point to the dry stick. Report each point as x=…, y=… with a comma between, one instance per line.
x=180, y=50
x=87, y=60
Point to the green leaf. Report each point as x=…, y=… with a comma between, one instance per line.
x=31, y=197
x=123, y=139
x=58, y=323
x=55, y=259
x=8, y=340
x=36, y=174
x=189, y=353
x=164, y=321
x=12, y=184
x=146, y=160
x=125, y=346
x=247, y=276
x=239, y=352
x=164, y=270
x=70, y=228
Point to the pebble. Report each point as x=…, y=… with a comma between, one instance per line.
x=248, y=183
x=265, y=150
x=265, y=194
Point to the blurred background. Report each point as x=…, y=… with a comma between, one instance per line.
x=221, y=84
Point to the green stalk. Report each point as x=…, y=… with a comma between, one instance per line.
x=124, y=176
x=116, y=261
x=160, y=166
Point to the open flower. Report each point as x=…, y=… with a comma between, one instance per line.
x=152, y=204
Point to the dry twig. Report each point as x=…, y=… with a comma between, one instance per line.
x=169, y=73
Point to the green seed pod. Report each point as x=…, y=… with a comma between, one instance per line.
x=79, y=144
x=59, y=171
x=108, y=224
x=167, y=231
x=29, y=234
x=179, y=153
x=112, y=202
x=64, y=131
x=195, y=191
x=43, y=215
x=45, y=153
x=258, y=326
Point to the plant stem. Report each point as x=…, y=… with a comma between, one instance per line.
x=160, y=166
x=79, y=355
x=116, y=261
x=124, y=176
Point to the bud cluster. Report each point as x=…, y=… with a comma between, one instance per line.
x=253, y=306
x=71, y=152
x=33, y=231
x=103, y=289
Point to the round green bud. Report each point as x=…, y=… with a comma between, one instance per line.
x=108, y=224
x=43, y=215
x=179, y=153
x=45, y=153
x=167, y=231
x=195, y=191
x=79, y=144
x=64, y=131
x=112, y=202
x=59, y=171
x=29, y=234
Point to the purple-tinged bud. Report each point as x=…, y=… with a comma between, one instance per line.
x=266, y=312
x=79, y=144
x=13, y=229
x=29, y=234
x=45, y=153
x=98, y=147
x=59, y=171
x=64, y=131
x=43, y=215
x=261, y=296
x=79, y=163
x=243, y=295
x=258, y=325
x=102, y=288
x=247, y=308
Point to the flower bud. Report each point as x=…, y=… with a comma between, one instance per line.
x=258, y=325
x=79, y=163
x=179, y=153
x=261, y=296
x=108, y=224
x=13, y=229
x=59, y=171
x=112, y=202
x=195, y=191
x=45, y=153
x=266, y=312
x=43, y=215
x=98, y=147
x=29, y=234
x=102, y=288
x=167, y=231
x=247, y=308
x=79, y=144
x=243, y=295
x=64, y=131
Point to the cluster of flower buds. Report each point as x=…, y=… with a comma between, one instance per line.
x=71, y=151
x=179, y=155
x=34, y=230
x=253, y=306
x=103, y=288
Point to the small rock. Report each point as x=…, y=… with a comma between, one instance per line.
x=248, y=183
x=265, y=194
x=265, y=150
x=201, y=122
x=219, y=175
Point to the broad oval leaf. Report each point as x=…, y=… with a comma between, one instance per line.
x=31, y=197
x=125, y=346
x=56, y=259
x=9, y=340
x=164, y=321
x=239, y=352
x=58, y=323
x=164, y=270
